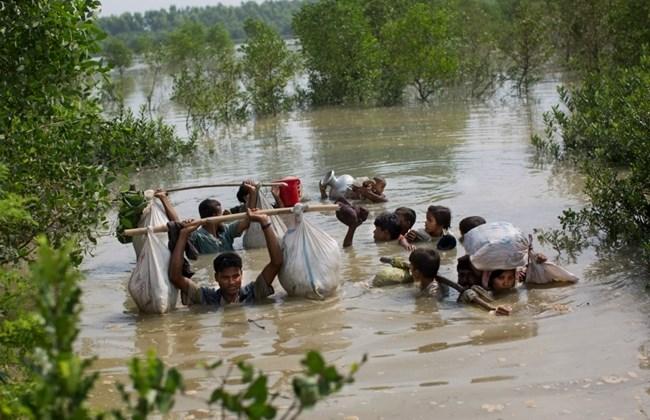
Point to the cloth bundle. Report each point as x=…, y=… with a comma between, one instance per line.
x=149, y=284
x=254, y=236
x=312, y=260
x=496, y=246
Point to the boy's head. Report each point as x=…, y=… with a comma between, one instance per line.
x=379, y=185
x=386, y=227
x=469, y=223
x=502, y=280
x=438, y=219
x=406, y=217
x=228, y=272
x=209, y=208
x=424, y=264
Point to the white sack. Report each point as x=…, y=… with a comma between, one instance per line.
x=496, y=246
x=254, y=236
x=312, y=261
x=547, y=272
x=149, y=284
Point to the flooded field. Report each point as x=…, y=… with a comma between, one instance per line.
x=572, y=352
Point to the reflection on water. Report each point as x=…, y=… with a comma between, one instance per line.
x=473, y=157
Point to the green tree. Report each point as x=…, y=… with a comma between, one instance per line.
x=206, y=76
x=605, y=130
x=422, y=48
x=525, y=40
x=268, y=65
x=341, y=53
x=60, y=151
x=117, y=54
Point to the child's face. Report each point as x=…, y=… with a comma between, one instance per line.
x=381, y=235
x=431, y=225
x=504, y=281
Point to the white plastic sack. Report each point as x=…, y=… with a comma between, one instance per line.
x=254, y=236
x=149, y=284
x=547, y=272
x=496, y=246
x=312, y=261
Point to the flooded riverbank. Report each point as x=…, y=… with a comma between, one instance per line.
x=580, y=351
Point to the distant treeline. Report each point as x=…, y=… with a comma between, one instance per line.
x=155, y=23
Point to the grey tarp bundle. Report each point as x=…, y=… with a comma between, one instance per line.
x=312, y=260
x=149, y=284
x=254, y=237
x=496, y=246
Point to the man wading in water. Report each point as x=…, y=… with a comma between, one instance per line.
x=227, y=271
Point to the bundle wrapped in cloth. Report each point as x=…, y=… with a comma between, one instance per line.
x=149, y=284
x=496, y=246
x=254, y=237
x=312, y=260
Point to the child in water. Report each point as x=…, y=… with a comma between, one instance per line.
x=435, y=229
x=424, y=270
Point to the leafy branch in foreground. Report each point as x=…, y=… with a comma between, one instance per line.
x=62, y=381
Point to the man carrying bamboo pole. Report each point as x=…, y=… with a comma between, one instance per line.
x=211, y=238
x=227, y=270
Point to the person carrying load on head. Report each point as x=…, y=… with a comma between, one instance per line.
x=213, y=237
x=422, y=268
x=227, y=271
x=499, y=257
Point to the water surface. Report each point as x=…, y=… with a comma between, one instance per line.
x=579, y=351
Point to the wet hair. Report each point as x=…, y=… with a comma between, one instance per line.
x=226, y=260
x=209, y=207
x=442, y=215
x=470, y=223
x=389, y=222
x=408, y=214
x=426, y=261
x=379, y=179
x=242, y=192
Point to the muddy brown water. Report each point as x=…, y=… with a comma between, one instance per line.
x=573, y=352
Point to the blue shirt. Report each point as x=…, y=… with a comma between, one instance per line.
x=207, y=243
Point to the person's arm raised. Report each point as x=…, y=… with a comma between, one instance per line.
x=272, y=245
x=176, y=261
x=167, y=204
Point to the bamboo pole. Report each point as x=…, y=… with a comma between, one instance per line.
x=237, y=216
x=225, y=184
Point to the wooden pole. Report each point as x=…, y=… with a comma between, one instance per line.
x=237, y=216
x=225, y=184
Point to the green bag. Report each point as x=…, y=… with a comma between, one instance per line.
x=132, y=204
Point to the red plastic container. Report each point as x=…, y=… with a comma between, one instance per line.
x=290, y=194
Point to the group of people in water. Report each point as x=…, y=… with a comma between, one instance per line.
x=425, y=244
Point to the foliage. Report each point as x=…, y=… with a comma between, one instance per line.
x=117, y=54
x=61, y=384
x=157, y=23
x=421, y=48
x=477, y=26
x=605, y=129
x=342, y=55
x=593, y=35
x=206, y=75
x=525, y=40
x=268, y=66
x=60, y=151
x=154, y=386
